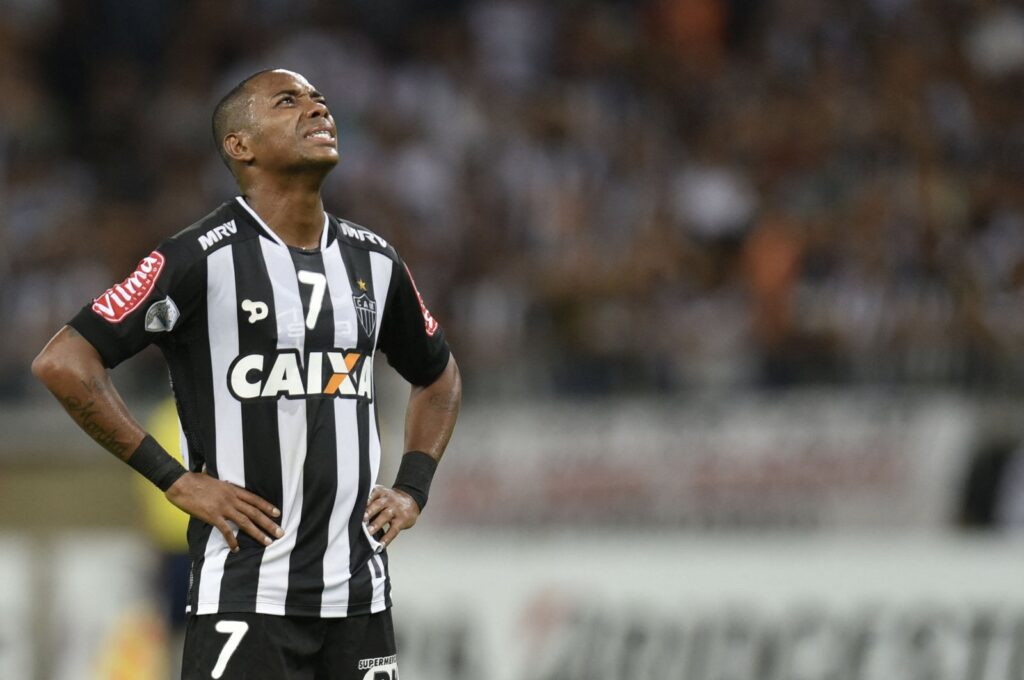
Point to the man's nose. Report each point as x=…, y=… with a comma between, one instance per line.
x=318, y=110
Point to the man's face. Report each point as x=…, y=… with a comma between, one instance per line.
x=292, y=128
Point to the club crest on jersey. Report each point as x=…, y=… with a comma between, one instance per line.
x=123, y=298
x=338, y=373
x=366, y=311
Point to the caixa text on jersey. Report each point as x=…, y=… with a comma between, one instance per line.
x=336, y=373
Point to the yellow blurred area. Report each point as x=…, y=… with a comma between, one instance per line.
x=136, y=648
x=165, y=523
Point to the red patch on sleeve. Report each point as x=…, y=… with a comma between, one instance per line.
x=429, y=322
x=123, y=298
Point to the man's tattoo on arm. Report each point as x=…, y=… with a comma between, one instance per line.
x=443, y=403
x=84, y=413
x=94, y=385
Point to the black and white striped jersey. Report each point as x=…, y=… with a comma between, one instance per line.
x=271, y=350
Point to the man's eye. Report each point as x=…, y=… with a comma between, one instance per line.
x=286, y=100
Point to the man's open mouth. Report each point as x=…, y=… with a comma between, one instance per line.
x=320, y=133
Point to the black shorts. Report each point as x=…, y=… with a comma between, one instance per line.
x=265, y=647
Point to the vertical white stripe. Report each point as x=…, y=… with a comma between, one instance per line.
x=223, y=331
x=382, y=268
x=374, y=440
x=291, y=424
x=183, y=447
x=336, y=559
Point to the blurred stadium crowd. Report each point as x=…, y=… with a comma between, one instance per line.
x=618, y=195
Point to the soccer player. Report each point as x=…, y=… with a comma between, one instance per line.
x=269, y=312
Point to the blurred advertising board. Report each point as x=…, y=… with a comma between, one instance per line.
x=79, y=606
x=585, y=605
x=108, y=625
x=800, y=460
x=16, y=608
x=619, y=607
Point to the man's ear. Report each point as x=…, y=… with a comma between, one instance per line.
x=236, y=146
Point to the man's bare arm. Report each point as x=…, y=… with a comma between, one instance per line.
x=73, y=371
x=432, y=411
x=429, y=422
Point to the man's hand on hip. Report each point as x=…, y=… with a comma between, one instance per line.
x=220, y=503
x=390, y=508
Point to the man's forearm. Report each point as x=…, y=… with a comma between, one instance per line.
x=432, y=412
x=73, y=371
x=429, y=422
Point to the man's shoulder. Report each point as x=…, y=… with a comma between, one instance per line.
x=202, y=238
x=351, y=234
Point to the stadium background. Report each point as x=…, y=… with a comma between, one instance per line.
x=735, y=286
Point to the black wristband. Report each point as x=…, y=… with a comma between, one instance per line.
x=155, y=464
x=414, y=475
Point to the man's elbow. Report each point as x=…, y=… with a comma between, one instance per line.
x=47, y=367
x=43, y=368
x=65, y=356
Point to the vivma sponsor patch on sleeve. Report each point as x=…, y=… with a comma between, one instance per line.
x=123, y=298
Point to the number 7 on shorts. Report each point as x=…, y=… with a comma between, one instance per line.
x=235, y=630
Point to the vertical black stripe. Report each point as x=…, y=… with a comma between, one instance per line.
x=261, y=448
x=188, y=357
x=320, y=470
x=387, y=579
x=360, y=588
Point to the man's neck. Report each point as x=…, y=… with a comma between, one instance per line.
x=295, y=213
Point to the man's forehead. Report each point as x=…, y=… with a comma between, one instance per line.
x=277, y=80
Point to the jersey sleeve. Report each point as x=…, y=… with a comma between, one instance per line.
x=409, y=335
x=144, y=308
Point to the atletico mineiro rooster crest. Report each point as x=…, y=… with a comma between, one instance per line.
x=366, y=310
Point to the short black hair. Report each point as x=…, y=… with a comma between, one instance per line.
x=230, y=112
